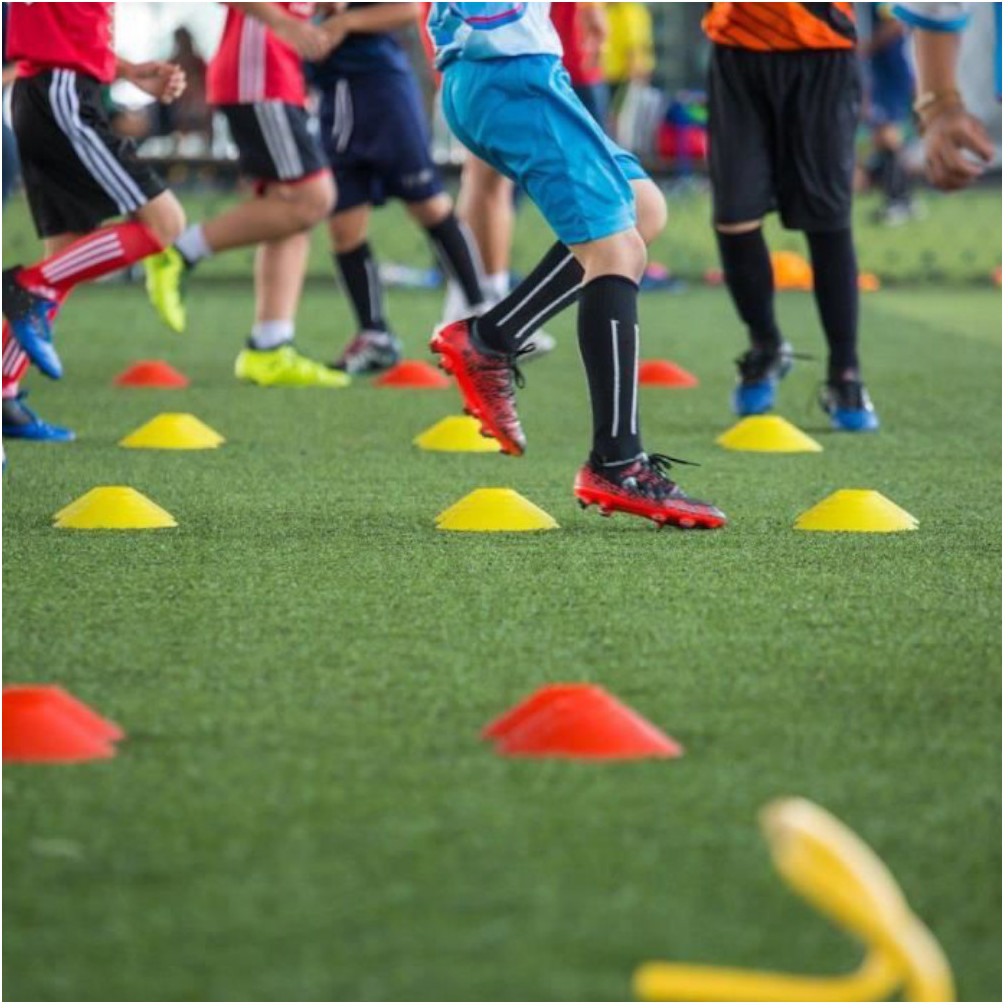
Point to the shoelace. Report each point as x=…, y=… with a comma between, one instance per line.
x=19, y=400
x=653, y=477
x=849, y=394
x=754, y=362
x=501, y=363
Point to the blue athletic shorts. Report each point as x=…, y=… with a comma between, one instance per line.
x=890, y=102
x=376, y=139
x=521, y=115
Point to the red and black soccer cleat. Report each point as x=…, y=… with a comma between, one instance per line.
x=642, y=488
x=486, y=379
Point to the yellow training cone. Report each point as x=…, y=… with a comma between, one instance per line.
x=113, y=507
x=857, y=510
x=457, y=434
x=173, y=431
x=494, y=510
x=768, y=434
x=841, y=876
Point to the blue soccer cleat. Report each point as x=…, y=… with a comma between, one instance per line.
x=21, y=423
x=28, y=316
x=760, y=370
x=849, y=406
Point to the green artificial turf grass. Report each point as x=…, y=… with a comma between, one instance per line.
x=958, y=239
x=303, y=809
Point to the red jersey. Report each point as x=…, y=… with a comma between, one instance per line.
x=583, y=66
x=251, y=64
x=61, y=36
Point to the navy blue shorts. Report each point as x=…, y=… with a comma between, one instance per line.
x=890, y=102
x=377, y=140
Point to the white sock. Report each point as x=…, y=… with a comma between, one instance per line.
x=454, y=304
x=271, y=334
x=496, y=286
x=192, y=244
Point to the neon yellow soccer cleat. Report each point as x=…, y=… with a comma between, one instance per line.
x=285, y=367
x=165, y=278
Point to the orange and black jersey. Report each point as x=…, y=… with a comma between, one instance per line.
x=767, y=27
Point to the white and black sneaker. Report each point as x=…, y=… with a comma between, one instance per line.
x=369, y=352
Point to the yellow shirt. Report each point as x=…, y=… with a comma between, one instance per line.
x=628, y=53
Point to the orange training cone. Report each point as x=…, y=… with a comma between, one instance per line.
x=791, y=271
x=151, y=373
x=413, y=373
x=663, y=373
x=48, y=724
x=578, y=721
x=82, y=714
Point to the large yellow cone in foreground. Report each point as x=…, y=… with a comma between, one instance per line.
x=457, y=434
x=768, y=434
x=113, y=507
x=857, y=511
x=838, y=874
x=173, y=431
x=490, y=510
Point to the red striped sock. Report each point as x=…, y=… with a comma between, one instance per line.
x=15, y=362
x=95, y=255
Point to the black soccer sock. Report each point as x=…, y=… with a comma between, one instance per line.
x=893, y=176
x=550, y=288
x=361, y=281
x=746, y=267
x=835, y=285
x=458, y=256
x=609, y=345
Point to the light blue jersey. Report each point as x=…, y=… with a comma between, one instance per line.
x=491, y=31
x=934, y=16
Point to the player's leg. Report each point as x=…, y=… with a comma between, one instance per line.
x=20, y=421
x=740, y=127
x=357, y=128
x=895, y=178
x=294, y=192
x=835, y=286
x=602, y=225
x=78, y=172
x=270, y=358
x=815, y=185
x=485, y=208
x=282, y=210
x=454, y=246
x=374, y=347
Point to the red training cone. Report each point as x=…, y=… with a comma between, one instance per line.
x=663, y=373
x=413, y=373
x=577, y=721
x=151, y=373
x=48, y=724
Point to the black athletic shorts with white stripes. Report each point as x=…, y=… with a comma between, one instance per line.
x=77, y=170
x=274, y=142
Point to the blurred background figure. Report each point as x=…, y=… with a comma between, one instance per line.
x=189, y=119
x=889, y=79
x=629, y=61
x=582, y=27
x=629, y=53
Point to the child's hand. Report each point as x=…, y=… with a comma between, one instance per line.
x=164, y=81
